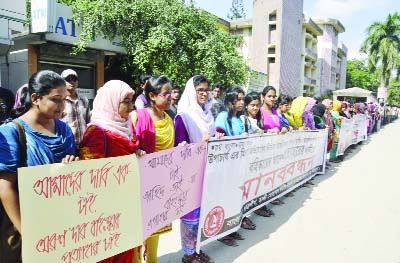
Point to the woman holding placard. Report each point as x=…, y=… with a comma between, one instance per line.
x=153, y=132
x=36, y=137
x=109, y=135
x=193, y=123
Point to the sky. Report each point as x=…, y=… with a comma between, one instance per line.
x=355, y=15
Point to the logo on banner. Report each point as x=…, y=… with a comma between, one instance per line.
x=214, y=221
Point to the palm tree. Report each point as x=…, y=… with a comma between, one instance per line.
x=382, y=46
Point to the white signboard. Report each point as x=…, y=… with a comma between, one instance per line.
x=42, y=15
x=67, y=32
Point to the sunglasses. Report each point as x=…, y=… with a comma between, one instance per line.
x=71, y=78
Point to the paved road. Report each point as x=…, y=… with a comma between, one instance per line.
x=351, y=214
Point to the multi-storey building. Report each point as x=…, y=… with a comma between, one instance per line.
x=276, y=43
x=299, y=56
x=309, y=72
x=330, y=74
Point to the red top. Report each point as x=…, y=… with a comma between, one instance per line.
x=100, y=143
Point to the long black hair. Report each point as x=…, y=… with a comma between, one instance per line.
x=283, y=99
x=253, y=95
x=41, y=83
x=231, y=96
x=154, y=85
x=266, y=89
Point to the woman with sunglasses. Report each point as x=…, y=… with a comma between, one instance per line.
x=194, y=123
x=153, y=132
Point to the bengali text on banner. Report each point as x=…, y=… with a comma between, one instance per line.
x=85, y=211
x=242, y=174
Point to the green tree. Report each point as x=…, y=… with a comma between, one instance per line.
x=237, y=10
x=382, y=46
x=164, y=37
x=358, y=75
x=393, y=93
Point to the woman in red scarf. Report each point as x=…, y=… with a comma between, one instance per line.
x=109, y=133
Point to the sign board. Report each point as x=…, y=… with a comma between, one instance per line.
x=42, y=15
x=55, y=20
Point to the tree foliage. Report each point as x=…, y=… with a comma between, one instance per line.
x=237, y=10
x=393, y=93
x=164, y=37
x=383, y=46
x=358, y=75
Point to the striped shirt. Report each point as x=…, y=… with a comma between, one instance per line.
x=77, y=116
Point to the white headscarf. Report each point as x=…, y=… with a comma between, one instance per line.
x=198, y=122
x=106, y=105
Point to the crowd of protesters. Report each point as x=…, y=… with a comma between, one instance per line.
x=48, y=122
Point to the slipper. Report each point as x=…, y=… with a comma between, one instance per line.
x=263, y=211
x=248, y=224
x=229, y=241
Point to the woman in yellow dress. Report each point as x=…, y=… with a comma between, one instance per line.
x=154, y=131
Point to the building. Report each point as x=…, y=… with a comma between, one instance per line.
x=330, y=69
x=290, y=51
x=276, y=43
x=309, y=57
x=12, y=20
x=48, y=44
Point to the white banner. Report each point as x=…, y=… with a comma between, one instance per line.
x=352, y=131
x=244, y=173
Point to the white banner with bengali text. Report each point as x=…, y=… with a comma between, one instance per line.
x=352, y=131
x=244, y=173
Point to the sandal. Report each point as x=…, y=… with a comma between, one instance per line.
x=264, y=211
x=229, y=241
x=277, y=202
x=194, y=258
x=237, y=236
x=205, y=258
x=248, y=224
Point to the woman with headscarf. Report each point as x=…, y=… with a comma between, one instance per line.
x=301, y=112
x=344, y=111
x=328, y=120
x=336, y=119
x=154, y=132
x=307, y=116
x=194, y=123
x=18, y=94
x=319, y=112
x=108, y=134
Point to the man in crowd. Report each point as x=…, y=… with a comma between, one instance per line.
x=174, y=102
x=217, y=105
x=77, y=112
x=6, y=102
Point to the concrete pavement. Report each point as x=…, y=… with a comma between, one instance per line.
x=351, y=214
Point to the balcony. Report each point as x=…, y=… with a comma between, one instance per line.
x=309, y=81
x=311, y=54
